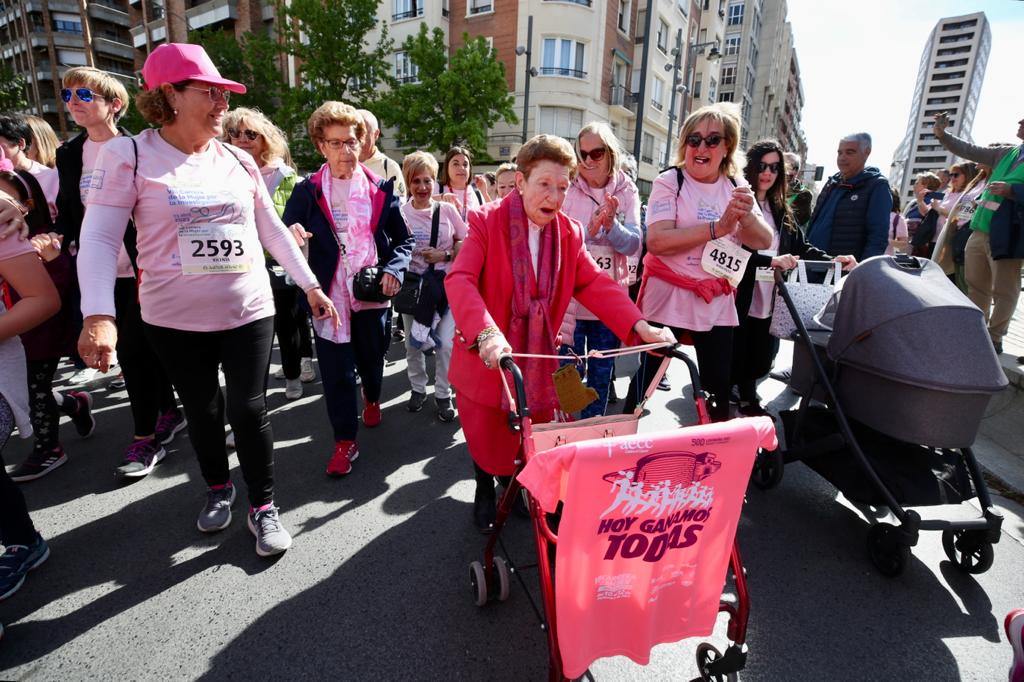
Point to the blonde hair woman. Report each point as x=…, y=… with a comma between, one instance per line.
x=701, y=204
x=44, y=142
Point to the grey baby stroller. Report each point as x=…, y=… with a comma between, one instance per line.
x=892, y=399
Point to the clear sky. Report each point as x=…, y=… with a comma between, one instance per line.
x=859, y=61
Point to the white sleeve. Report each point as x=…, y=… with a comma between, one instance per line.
x=278, y=240
x=99, y=243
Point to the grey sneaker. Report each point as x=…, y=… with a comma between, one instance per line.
x=216, y=514
x=271, y=537
x=306, y=373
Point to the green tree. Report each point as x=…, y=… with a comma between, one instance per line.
x=12, y=90
x=454, y=102
x=132, y=119
x=252, y=61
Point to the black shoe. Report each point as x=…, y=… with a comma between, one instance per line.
x=612, y=396
x=783, y=375
x=485, y=509
x=752, y=409
x=416, y=401
x=445, y=411
x=398, y=335
x=664, y=385
x=734, y=396
x=998, y=346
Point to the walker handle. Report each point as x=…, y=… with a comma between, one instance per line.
x=506, y=363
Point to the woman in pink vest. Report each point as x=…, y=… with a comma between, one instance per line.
x=607, y=204
x=700, y=211
x=509, y=289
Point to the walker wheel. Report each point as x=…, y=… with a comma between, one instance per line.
x=969, y=551
x=707, y=654
x=888, y=553
x=504, y=583
x=478, y=583
x=768, y=468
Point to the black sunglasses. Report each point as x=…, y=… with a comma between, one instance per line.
x=712, y=140
x=235, y=133
x=83, y=94
x=955, y=175
x=773, y=167
x=596, y=154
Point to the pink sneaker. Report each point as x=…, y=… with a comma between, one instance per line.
x=1013, y=625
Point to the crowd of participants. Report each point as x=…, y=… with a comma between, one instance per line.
x=199, y=233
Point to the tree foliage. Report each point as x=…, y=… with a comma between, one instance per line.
x=253, y=61
x=455, y=101
x=13, y=89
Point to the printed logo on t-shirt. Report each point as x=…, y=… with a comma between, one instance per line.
x=706, y=212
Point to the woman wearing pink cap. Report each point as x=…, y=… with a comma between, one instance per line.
x=203, y=218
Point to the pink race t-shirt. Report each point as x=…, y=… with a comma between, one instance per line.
x=91, y=152
x=199, y=252
x=647, y=529
x=49, y=182
x=450, y=229
x=697, y=202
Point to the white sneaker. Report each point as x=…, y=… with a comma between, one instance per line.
x=230, y=440
x=279, y=374
x=293, y=389
x=307, y=374
x=83, y=376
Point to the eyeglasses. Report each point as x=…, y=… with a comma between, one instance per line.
x=955, y=175
x=596, y=154
x=773, y=167
x=83, y=94
x=235, y=133
x=712, y=140
x=350, y=144
x=216, y=94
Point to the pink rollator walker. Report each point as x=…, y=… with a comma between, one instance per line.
x=491, y=578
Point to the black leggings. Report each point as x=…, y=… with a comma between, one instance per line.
x=289, y=324
x=15, y=524
x=714, y=357
x=43, y=410
x=149, y=390
x=191, y=360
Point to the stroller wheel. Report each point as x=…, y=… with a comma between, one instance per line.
x=707, y=656
x=504, y=584
x=887, y=552
x=768, y=468
x=478, y=583
x=969, y=551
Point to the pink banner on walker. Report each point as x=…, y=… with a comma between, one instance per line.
x=645, y=536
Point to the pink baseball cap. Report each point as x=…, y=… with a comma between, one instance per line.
x=176, y=62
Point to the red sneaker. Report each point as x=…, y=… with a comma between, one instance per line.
x=1014, y=625
x=345, y=452
x=371, y=413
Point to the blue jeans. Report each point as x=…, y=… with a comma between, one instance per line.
x=594, y=335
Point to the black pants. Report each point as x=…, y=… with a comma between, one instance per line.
x=291, y=325
x=43, y=409
x=15, y=524
x=753, y=352
x=191, y=360
x=371, y=336
x=150, y=393
x=714, y=356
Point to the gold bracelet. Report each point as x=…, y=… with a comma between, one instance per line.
x=486, y=333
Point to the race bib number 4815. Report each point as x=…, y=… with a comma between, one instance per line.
x=725, y=258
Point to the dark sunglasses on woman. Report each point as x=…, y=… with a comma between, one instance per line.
x=712, y=140
x=773, y=167
x=235, y=133
x=596, y=154
x=83, y=94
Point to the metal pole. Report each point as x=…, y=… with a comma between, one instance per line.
x=638, y=134
x=673, y=96
x=529, y=75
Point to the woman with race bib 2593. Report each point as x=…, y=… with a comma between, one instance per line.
x=700, y=215
x=203, y=217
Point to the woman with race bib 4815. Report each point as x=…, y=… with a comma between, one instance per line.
x=203, y=217
x=700, y=215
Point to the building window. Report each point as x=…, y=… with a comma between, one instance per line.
x=725, y=97
x=658, y=93
x=480, y=6
x=732, y=43
x=647, y=149
x=62, y=26
x=561, y=121
x=749, y=85
x=405, y=70
x=662, y=36
x=563, y=57
x=728, y=75
x=735, y=14
x=697, y=80
x=753, y=53
x=684, y=7
x=407, y=9
x=623, y=20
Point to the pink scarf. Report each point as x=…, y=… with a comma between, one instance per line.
x=530, y=329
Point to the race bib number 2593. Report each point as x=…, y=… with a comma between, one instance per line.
x=211, y=249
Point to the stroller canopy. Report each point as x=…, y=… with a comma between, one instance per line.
x=905, y=321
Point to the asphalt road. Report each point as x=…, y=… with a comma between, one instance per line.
x=375, y=586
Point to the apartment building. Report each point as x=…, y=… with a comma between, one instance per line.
x=41, y=39
x=949, y=78
x=159, y=21
x=778, y=94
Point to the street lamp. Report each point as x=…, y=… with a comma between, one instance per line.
x=677, y=87
x=690, y=67
x=531, y=71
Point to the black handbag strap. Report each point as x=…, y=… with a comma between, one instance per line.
x=435, y=224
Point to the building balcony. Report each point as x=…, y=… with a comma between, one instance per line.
x=110, y=11
x=585, y=3
x=621, y=97
x=559, y=71
x=112, y=47
x=212, y=12
x=410, y=14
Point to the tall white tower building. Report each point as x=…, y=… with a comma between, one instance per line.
x=949, y=79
